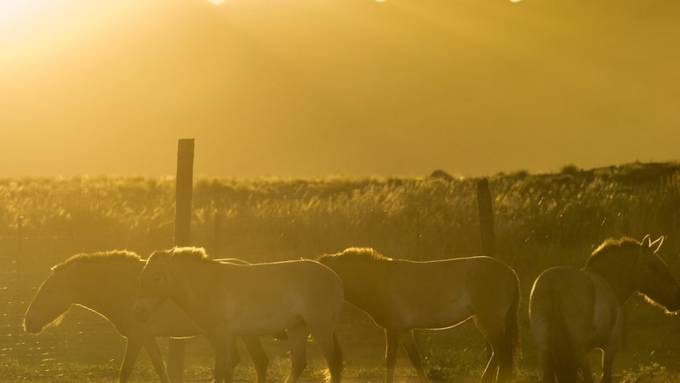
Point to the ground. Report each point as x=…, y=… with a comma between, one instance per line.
x=13, y=372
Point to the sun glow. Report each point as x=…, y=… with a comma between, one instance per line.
x=15, y=12
x=217, y=2
x=33, y=32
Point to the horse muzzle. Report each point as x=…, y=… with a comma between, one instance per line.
x=676, y=304
x=672, y=302
x=32, y=328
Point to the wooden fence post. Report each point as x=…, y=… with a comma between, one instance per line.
x=486, y=225
x=183, y=190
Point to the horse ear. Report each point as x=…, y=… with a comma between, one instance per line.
x=656, y=245
x=151, y=255
x=646, y=241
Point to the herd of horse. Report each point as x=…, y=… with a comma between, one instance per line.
x=181, y=292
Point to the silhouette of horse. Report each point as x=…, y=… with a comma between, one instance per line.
x=106, y=283
x=226, y=300
x=573, y=310
x=403, y=295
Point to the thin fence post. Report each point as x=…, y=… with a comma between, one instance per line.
x=20, y=248
x=217, y=232
x=626, y=225
x=183, y=196
x=486, y=221
x=18, y=283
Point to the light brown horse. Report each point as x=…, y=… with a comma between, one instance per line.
x=403, y=295
x=106, y=283
x=573, y=311
x=226, y=300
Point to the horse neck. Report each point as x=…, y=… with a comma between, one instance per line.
x=108, y=290
x=617, y=274
x=364, y=283
x=196, y=281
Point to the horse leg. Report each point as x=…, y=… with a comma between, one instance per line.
x=229, y=358
x=545, y=361
x=258, y=356
x=131, y=352
x=176, y=354
x=414, y=355
x=584, y=366
x=548, y=370
x=505, y=359
x=154, y=352
x=494, y=336
x=297, y=339
x=498, y=329
x=491, y=369
x=609, y=351
x=235, y=357
x=222, y=345
x=324, y=335
x=392, y=338
x=607, y=363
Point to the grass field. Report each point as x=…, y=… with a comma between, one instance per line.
x=541, y=220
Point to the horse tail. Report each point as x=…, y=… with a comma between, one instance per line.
x=512, y=326
x=560, y=349
x=510, y=345
x=338, y=350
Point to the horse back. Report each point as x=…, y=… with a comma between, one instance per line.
x=287, y=289
x=443, y=293
x=288, y=276
x=439, y=278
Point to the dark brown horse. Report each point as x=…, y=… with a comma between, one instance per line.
x=403, y=295
x=574, y=310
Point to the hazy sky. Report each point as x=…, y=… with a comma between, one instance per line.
x=317, y=87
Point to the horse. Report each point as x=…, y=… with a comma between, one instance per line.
x=573, y=311
x=226, y=300
x=106, y=283
x=403, y=295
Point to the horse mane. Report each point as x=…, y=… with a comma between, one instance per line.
x=358, y=254
x=189, y=254
x=611, y=246
x=115, y=256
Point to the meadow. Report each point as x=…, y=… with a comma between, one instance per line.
x=540, y=220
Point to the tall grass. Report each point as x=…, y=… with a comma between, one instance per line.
x=537, y=216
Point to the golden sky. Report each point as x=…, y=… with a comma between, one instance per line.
x=317, y=87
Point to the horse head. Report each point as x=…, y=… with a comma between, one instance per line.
x=653, y=277
x=154, y=285
x=53, y=299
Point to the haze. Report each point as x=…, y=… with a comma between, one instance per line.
x=317, y=87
